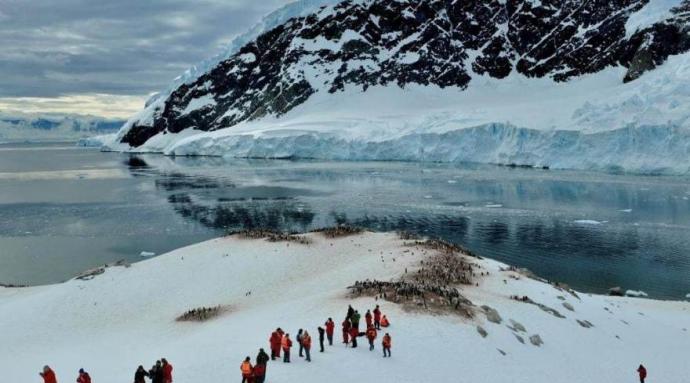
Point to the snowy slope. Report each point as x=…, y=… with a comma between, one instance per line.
x=126, y=317
x=586, y=86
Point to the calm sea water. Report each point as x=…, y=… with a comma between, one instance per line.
x=65, y=209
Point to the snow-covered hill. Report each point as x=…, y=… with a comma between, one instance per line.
x=564, y=84
x=47, y=127
x=125, y=317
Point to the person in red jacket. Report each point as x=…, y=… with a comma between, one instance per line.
x=354, y=333
x=167, y=371
x=642, y=372
x=306, y=343
x=287, y=344
x=369, y=319
x=83, y=376
x=48, y=375
x=371, y=337
x=377, y=317
x=275, y=341
x=259, y=373
x=387, y=343
x=330, y=328
x=346, y=331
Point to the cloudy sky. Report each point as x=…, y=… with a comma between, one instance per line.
x=104, y=57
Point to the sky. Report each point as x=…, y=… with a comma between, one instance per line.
x=105, y=57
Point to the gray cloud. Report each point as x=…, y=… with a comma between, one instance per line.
x=120, y=47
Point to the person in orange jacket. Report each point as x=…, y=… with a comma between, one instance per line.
x=387, y=343
x=369, y=319
x=384, y=321
x=167, y=371
x=83, y=376
x=247, y=370
x=330, y=327
x=275, y=341
x=346, y=331
x=371, y=337
x=48, y=375
x=306, y=343
x=287, y=344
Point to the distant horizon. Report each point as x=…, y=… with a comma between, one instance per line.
x=105, y=60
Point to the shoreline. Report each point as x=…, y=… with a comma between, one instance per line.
x=613, y=291
x=260, y=283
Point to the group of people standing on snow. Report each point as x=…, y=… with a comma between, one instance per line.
x=49, y=376
x=161, y=372
x=374, y=321
x=281, y=342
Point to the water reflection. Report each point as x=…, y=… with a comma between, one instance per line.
x=524, y=217
x=592, y=231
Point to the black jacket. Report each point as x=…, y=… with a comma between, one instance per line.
x=262, y=358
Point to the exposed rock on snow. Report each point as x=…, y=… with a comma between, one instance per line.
x=616, y=291
x=536, y=340
x=295, y=285
x=447, y=83
x=492, y=315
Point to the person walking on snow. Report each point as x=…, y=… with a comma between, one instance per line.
x=247, y=370
x=350, y=312
x=330, y=327
x=48, y=375
x=369, y=319
x=355, y=320
x=299, y=342
x=287, y=344
x=306, y=344
x=274, y=341
x=167, y=371
x=377, y=317
x=371, y=336
x=156, y=373
x=83, y=376
x=259, y=373
x=140, y=375
x=261, y=357
x=386, y=343
x=322, y=332
x=346, y=331
x=354, y=333
x=642, y=372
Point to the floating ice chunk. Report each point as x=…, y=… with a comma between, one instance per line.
x=146, y=254
x=636, y=294
x=452, y=181
x=494, y=205
x=626, y=211
x=587, y=222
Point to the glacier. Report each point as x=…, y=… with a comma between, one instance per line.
x=591, y=122
x=594, y=122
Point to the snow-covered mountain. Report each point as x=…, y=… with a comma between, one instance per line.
x=43, y=127
x=563, y=83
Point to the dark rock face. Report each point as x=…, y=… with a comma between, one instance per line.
x=427, y=42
